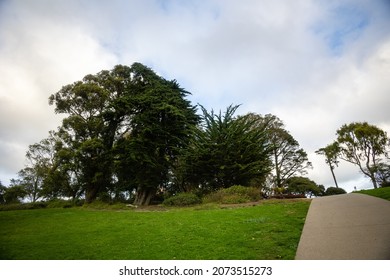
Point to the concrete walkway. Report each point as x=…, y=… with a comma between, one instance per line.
x=346, y=227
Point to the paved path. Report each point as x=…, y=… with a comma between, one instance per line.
x=346, y=227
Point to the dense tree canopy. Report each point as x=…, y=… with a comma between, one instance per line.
x=124, y=128
x=303, y=186
x=227, y=151
x=161, y=128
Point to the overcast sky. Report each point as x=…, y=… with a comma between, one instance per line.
x=315, y=64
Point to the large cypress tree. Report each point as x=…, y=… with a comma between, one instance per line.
x=161, y=128
x=227, y=151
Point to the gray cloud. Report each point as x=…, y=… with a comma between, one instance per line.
x=315, y=64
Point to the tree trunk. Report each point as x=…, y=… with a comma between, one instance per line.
x=144, y=196
x=372, y=177
x=91, y=194
x=277, y=171
x=334, y=177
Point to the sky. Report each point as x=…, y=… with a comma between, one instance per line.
x=316, y=64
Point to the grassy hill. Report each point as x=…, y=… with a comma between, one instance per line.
x=380, y=192
x=265, y=230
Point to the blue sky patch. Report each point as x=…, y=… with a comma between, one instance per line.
x=344, y=25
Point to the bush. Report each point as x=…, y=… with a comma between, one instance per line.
x=23, y=206
x=60, y=203
x=234, y=194
x=182, y=199
x=334, y=191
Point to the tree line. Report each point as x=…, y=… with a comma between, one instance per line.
x=130, y=134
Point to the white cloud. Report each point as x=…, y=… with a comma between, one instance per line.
x=38, y=57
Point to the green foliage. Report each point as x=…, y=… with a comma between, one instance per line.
x=303, y=186
x=23, y=206
x=60, y=203
x=233, y=195
x=267, y=231
x=334, y=191
x=331, y=152
x=14, y=193
x=226, y=151
x=363, y=144
x=127, y=123
x=182, y=199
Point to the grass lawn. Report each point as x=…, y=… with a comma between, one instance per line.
x=269, y=230
x=379, y=192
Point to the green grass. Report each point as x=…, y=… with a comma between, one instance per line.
x=380, y=192
x=270, y=230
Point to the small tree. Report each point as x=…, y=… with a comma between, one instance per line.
x=41, y=162
x=330, y=152
x=15, y=192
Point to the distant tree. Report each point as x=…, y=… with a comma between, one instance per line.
x=382, y=174
x=322, y=189
x=364, y=145
x=43, y=176
x=15, y=193
x=227, y=151
x=303, y=186
x=334, y=191
x=31, y=182
x=2, y=192
x=288, y=158
x=330, y=152
x=40, y=157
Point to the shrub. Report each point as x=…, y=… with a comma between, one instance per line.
x=334, y=191
x=23, y=206
x=182, y=199
x=60, y=203
x=234, y=194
